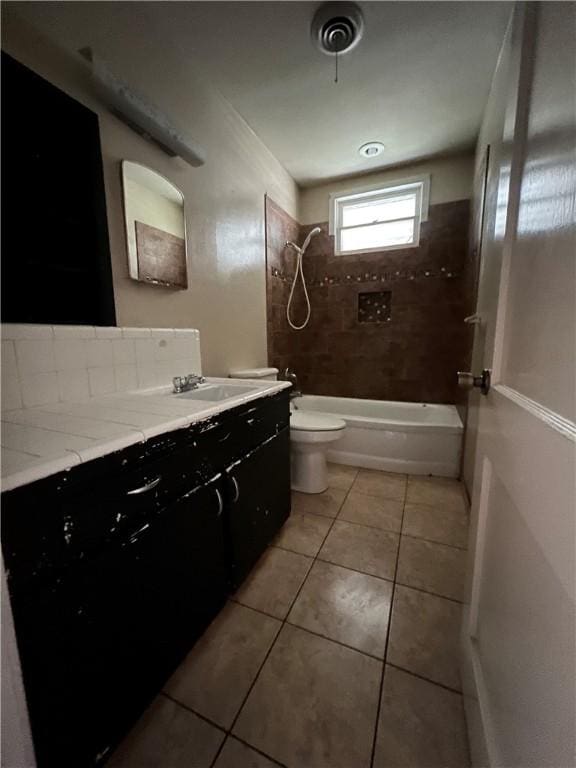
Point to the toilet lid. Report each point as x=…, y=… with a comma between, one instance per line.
x=315, y=422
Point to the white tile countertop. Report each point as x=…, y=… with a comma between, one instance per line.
x=43, y=440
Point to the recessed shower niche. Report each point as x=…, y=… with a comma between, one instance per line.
x=374, y=307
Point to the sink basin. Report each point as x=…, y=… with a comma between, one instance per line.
x=215, y=392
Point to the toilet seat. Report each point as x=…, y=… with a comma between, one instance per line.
x=315, y=422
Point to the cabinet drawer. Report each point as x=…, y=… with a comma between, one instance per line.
x=47, y=525
x=230, y=436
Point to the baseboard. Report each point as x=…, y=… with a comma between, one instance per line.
x=403, y=466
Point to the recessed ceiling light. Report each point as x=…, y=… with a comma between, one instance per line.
x=372, y=149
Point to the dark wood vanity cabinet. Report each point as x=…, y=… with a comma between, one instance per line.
x=257, y=510
x=111, y=588
x=98, y=639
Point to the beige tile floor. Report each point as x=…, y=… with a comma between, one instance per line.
x=340, y=649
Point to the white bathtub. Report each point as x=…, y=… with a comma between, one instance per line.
x=416, y=438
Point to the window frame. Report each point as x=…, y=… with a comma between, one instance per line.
x=338, y=201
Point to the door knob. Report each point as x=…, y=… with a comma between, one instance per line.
x=467, y=380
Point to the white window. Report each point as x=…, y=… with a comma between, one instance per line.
x=379, y=219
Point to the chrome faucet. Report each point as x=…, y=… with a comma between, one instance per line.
x=290, y=376
x=186, y=383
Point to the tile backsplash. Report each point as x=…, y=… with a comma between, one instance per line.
x=45, y=364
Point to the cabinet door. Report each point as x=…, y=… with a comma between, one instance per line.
x=187, y=569
x=259, y=502
x=97, y=644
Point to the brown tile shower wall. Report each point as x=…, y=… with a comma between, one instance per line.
x=414, y=341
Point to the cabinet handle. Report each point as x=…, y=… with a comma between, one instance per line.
x=220, y=502
x=236, y=489
x=145, y=488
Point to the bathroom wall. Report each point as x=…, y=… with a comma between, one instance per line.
x=451, y=179
x=280, y=227
x=224, y=198
x=384, y=325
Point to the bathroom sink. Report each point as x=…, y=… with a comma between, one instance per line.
x=216, y=392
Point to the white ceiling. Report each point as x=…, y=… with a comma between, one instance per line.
x=418, y=81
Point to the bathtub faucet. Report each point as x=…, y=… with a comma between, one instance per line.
x=290, y=376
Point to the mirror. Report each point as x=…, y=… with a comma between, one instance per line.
x=155, y=227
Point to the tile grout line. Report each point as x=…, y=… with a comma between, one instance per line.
x=425, y=679
x=225, y=732
x=373, y=528
x=354, y=570
x=283, y=623
x=428, y=592
x=376, y=527
x=339, y=642
x=347, y=568
x=332, y=640
x=206, y=719
x=255, y=749
x=433, y=541
x=311, y=631
x=249, y=691
x=381, y=688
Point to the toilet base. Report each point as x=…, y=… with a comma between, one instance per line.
x=308, y=467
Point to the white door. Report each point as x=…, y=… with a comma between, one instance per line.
x=518, y=639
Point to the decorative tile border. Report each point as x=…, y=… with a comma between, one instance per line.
x=371, y=277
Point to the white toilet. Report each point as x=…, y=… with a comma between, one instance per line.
x=310, y=436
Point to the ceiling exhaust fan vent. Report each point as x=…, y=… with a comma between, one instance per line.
x=337, y=27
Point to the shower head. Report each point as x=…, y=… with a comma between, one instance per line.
x=302, y=248
x=311, y=234
x=290, y=244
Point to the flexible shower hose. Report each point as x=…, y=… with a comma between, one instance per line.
x=300, y=272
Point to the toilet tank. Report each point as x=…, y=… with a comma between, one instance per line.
x=270, y=374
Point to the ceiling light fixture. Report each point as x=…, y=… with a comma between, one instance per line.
x=371, y=149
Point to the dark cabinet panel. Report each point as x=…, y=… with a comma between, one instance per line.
x=226, y=440
x=98, y=641
x=189, y=567
x=259, y=488
x=58, y=520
